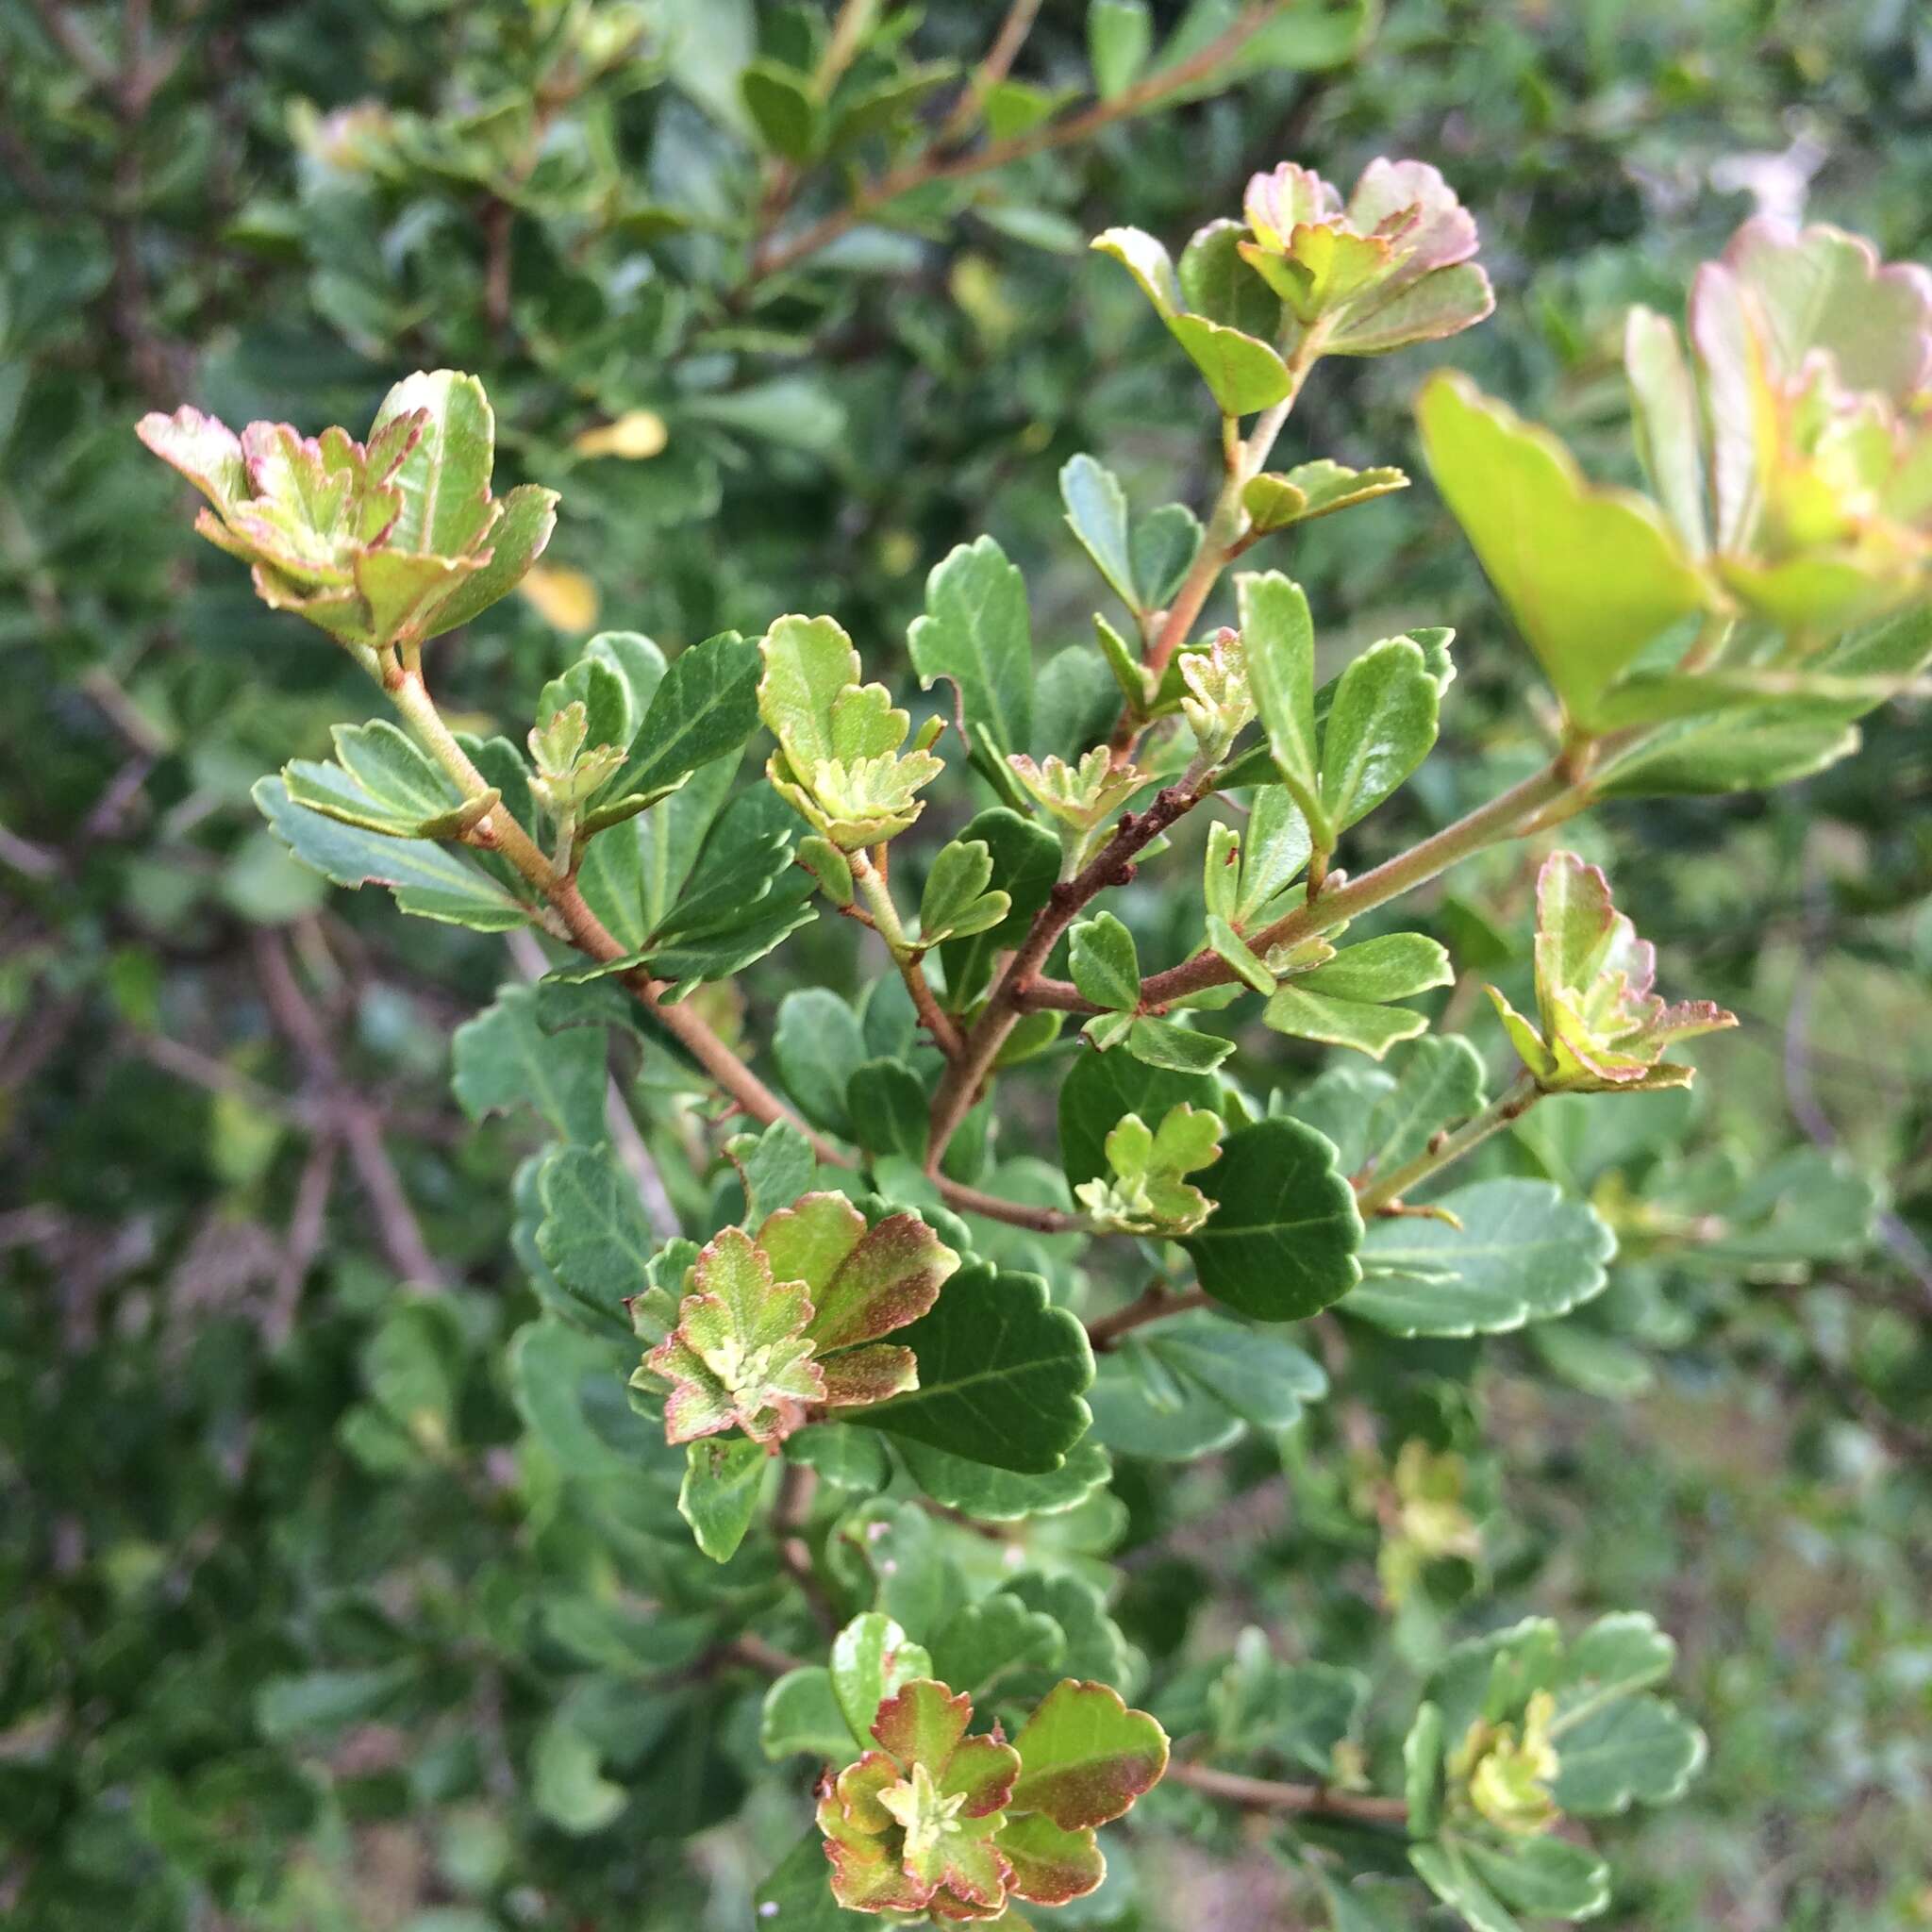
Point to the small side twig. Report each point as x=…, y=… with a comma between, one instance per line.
x=1267, y=1794
x=1155, y=1303
x=794, y=1509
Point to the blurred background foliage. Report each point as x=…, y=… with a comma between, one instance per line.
x=292, y=1576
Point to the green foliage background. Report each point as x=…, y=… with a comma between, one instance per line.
x=284, y=1637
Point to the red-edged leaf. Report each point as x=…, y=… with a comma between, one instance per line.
x=1049, y=1865
x=923, y=1724
x=1085, y=1756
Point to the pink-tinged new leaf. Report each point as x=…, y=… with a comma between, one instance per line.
x=980, y=1773
x=868, y=1877
x=1085, y=1756
x=698, y=1403
x=808, y=1241
x=855, y=1376
x=892, y=1277
x=1819, y=288
x=529, y=516
x=206, y=451
x=1427, y=222
x=967, y=1867
x=923, y=1724
x=1049, y=1866
x=852, y=1806
x=739, y=1353
x=1602, y=1029
x=1286, y=197
x=949, y=1910
x=1574, y=920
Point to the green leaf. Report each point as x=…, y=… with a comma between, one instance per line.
x=1119, y=36
x=706, y=957
x=776, y=1166
x=1589, y=576
x=1358, y=1024
x=1442, y=1867
x=636, y=661
x=801, y=1716
x=381, y=781
x=1439, y=1084
x=429, y=880
x=1281, y=1243
x=723, y=1477
x=846, y=1457
x=1101, y=1087
x=1442, y=303
x=888, y=1108
x=1739, y=751
x=798, y=1896
x=1666, y=419
x=1175, y=1048
x=604, y=694
x=566, y=1785
x=1275, y=848
x=1632, y=1750
x=1278, y=640
x=1620, y=1653
x=1524, y=1252
x=530, y=515
x=1262, y=1378
x=1164, y=545
x=1296, y=1712
x=1421, y=1765
x=706, y=708
x=1085, y=1756
x=1143, y=1409
x=1074, y=703
x=818, y=1045
x=1227, y=944
x=1000, y=1495
x=1309, y=39
x=593, y=1236
x=1106, y=966
x=1026, y=863
x=744, y=873
x=783, y=109
x=1396, y=966
x=808, y=662
x=444, y=479
x=955, y=901
x=504, y=1060
x=1317, y=489
x=1241, y=371
x=1380, y=727
x=1148, y=263
x=1217, y=283
x=981, y=1642
x=976, y=631
x=1769, y=744
x=871, y=1658
x=1001, y=1374
x=1544, y=1877
x=320, y=1702
x=1097, y=515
